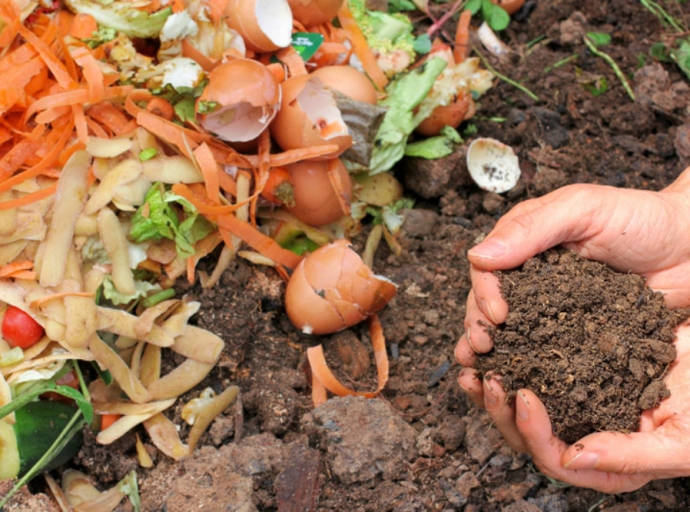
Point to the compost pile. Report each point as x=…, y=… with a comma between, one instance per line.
x=594, y=347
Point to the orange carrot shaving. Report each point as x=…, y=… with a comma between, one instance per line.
x=227, y=183
x=203, y=204
x=361, y=47
x=28, y=275
x=261, y=243
x=278, y=187
x=13, y=267
x=47, y=298
x=92, y=73
x=323, y=377
x=462, y=37
x=112, y=117
x=83, y=26
x=108, y=419
x=168, y=132
x=161, y=108
x=209, y=168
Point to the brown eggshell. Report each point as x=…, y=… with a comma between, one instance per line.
x=348, y=81
x=309, y=117
x=332, y=289
x=240, y=83
x=314, y=12
x=265, y=25
x=510, y=6
x=316, y=201
x=447, y=115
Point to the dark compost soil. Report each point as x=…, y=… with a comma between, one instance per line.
x=422, y=445
x=593, y=343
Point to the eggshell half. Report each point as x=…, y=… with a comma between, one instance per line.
x=316, y=200
x=314, y=12
x=348, y=81
x=247, y=96
x=265, y=25
x=309, y=117
x=494, y=166
x=332, y=289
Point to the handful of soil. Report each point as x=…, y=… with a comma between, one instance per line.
x=594, y=344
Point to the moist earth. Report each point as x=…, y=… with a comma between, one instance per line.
x=421, y=445
x=594, y=344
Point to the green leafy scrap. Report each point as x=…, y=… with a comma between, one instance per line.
x=405, y=93
x=439, y=146
x=159, y=218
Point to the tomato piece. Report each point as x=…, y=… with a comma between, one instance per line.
x=19, y=329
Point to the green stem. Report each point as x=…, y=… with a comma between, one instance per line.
x=660, y=13
x=592, y=47
x=505, y=78
x=560, y=63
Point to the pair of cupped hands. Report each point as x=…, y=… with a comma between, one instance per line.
x=644, y=232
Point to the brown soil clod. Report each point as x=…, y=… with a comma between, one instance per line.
x=594, y=344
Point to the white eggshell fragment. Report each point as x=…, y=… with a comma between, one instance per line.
x=494, y=166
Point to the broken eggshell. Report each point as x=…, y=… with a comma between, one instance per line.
x=265, y=25
x=332, y=289
x=241, y=99
x=494, y=166
x=309, y=117
x=314, y=12
x=316, y=200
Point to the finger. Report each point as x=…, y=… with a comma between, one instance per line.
x=532, y=228
x=486, y=290
x=548, y=451
x=472, y=385
x=475, y=326
x=502, y=412
x=659, y=452
x=464, y=352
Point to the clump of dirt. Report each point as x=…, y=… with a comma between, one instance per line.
x=594, y=344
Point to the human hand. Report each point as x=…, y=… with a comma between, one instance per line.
x=636, y=231
x=610, y=462
x=631, y=230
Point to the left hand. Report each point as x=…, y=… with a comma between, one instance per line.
x=610, y=462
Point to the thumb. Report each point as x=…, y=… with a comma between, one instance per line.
x=633, y=453
x=532, y=227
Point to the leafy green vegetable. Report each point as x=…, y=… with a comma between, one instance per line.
x=405, y=93
x=435, y=147
x=384, y=32
x=401, y=5
x=147, y=154
x=159, y=218
x=101, y=36
x=143, y=289
x=122, y=16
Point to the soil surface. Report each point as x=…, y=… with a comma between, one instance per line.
x=421, y=445
x=594, y=344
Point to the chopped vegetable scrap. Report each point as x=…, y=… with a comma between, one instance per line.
x=136, y=138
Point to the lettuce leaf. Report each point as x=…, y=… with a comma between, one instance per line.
x=159, y=217
x=404, y=95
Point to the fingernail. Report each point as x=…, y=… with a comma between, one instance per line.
x=486, y=308
x=490, y=249
x=523, y=409
x=583, y=460
x=490, y=396
x=469, y=339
